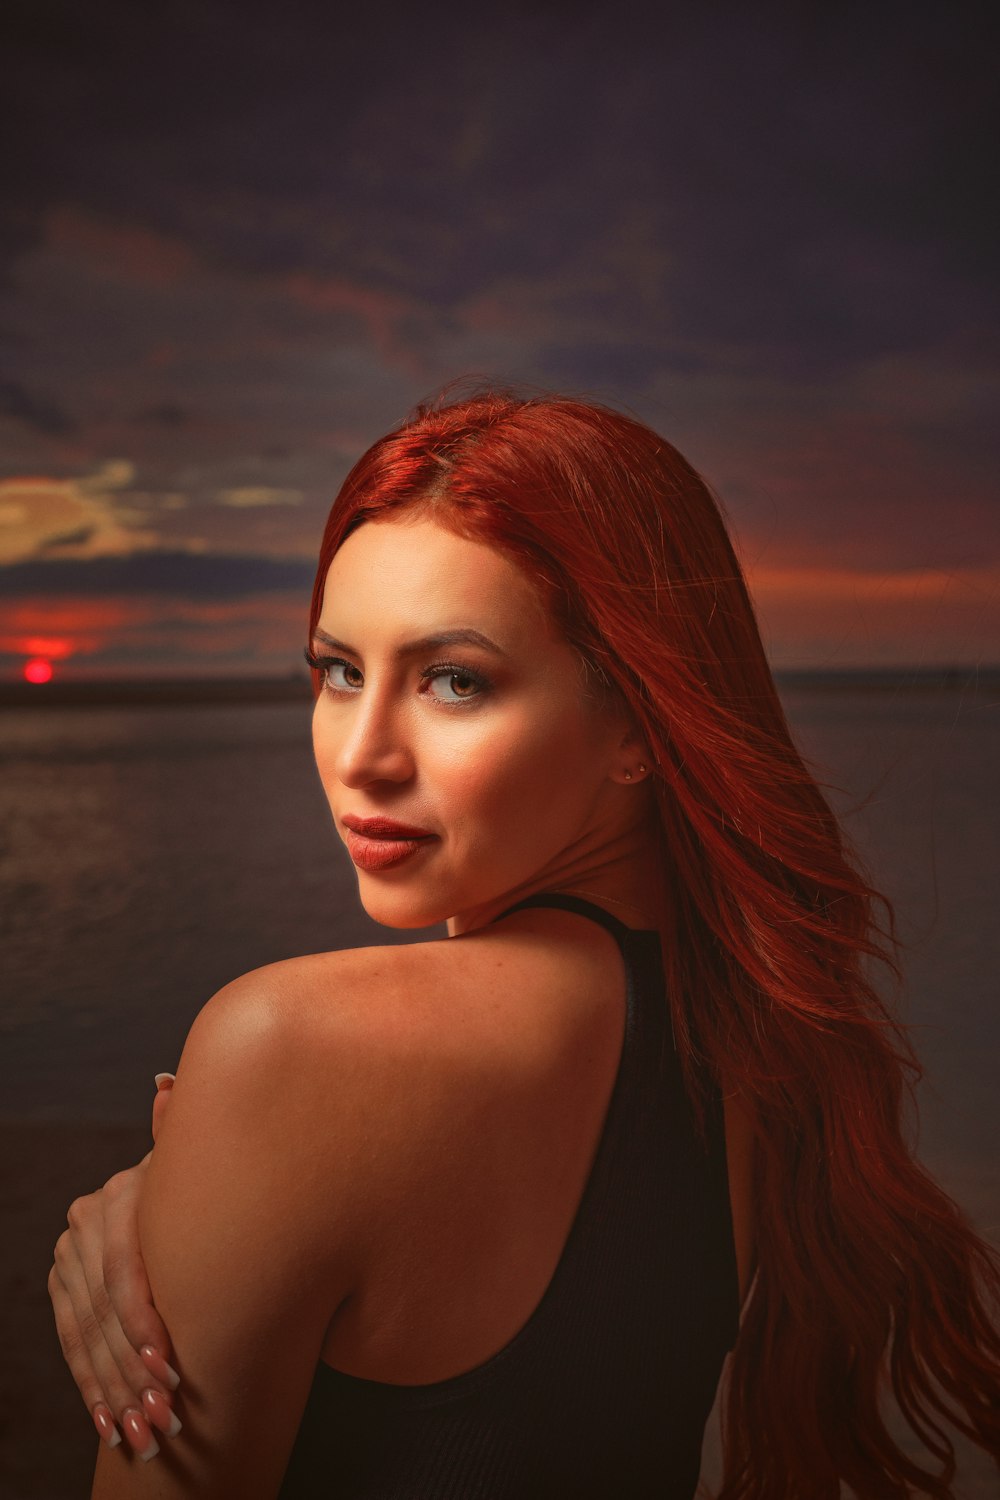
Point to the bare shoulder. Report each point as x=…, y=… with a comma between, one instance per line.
x=454, y=1005
x=301, y=1042
x=369, y=1084
x=290, y=1014
x=398, y=1055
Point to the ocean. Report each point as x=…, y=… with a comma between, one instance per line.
x=150, y=853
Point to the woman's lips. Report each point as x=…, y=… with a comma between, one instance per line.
x=380, y=827
x=380, y=853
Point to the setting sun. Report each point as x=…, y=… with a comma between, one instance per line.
x=37, y=671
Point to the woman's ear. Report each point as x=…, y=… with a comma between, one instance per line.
x=632, y=759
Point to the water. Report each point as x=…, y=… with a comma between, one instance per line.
x=150, y=855
x=916, y=786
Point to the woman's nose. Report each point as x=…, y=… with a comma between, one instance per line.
x=375, y=744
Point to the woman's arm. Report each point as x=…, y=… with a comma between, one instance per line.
x=114, y=1342
x=249, y=1226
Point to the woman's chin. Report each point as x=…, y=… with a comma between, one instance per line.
x=399, y=910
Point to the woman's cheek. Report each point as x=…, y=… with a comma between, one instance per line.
x=512, y=779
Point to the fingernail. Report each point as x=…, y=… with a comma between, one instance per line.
x=140, y=1434
x=160, y=1412
x=105, y=1424
x=157, y=1365
x=163, y=1080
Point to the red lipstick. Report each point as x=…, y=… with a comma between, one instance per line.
x=377, y=843
x=384, y=828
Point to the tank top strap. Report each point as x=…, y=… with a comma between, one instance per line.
x=619, y=930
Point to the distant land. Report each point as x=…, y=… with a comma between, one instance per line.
x=976, y=679
x=295, y=688
x=142, y=692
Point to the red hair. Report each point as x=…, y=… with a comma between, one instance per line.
x=867, y=1271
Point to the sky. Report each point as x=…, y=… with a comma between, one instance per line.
x=239, y=241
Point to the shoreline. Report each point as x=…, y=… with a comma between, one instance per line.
x=150, y=692
x=217, y=691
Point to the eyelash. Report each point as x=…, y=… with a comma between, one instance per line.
x=439, y=669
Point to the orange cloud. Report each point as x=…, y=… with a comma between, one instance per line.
x=379, y=312
x=62, y=628
x=121, y=252
x=68, y=517
x=811, y=616
x=815, y=616
x=847, y=585
x=185, y=631
x=40, y=645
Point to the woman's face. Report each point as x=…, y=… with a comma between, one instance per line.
x=494, y=749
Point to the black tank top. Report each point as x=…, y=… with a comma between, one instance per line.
x=605, y=1391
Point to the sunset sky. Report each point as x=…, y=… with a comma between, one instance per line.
x=240, y=241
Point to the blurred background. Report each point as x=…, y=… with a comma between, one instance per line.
x=241, y=240
x=238, y=242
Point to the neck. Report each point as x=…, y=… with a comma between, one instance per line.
x=622, y=869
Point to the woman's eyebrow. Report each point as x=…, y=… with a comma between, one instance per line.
x=461, y=637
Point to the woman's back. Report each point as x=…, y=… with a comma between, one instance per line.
x=551, y=1315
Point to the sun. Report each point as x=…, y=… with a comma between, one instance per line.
x=37, y=670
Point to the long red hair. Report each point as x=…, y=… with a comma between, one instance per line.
x=867, y=1271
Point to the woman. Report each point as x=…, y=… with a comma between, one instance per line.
x=477, y=1217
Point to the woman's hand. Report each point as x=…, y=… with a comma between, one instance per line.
x=111, y=1335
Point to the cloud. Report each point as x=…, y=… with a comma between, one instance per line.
x=170, y=611
x=157, y=610
x=248, y=496
x=78, y=516
x=831, y=197
x=132, y=253
x=158, y=632
x=380, y=312
x=184, y=575
x=78, y=538
x=215, y=370
x=39, y=413
x=794, y=282
x=163, y=414
x=841, y=585
x=813, y=616
x=113, y=474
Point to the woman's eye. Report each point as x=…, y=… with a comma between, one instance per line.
x=461, y=684
x=464, y=685
x=326, y=666
x=330, y=667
